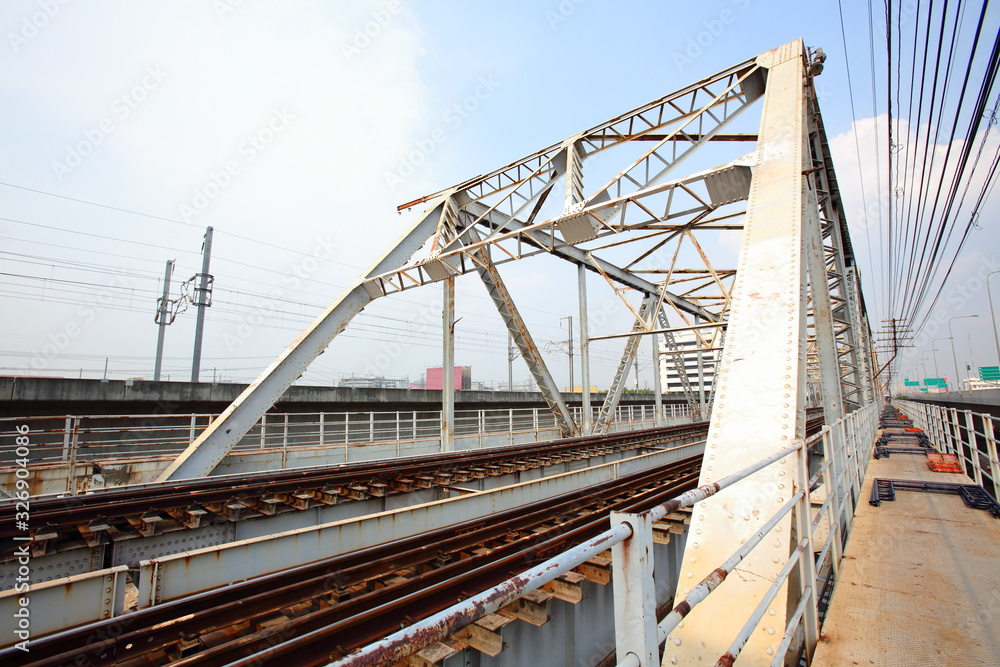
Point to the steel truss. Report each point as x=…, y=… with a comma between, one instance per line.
x=612, y=201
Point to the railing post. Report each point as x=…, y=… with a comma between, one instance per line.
x=635, y=591
x=74, y=443
x=67, y=430
x=322, y=428
x=851, y=453
x=263, y=429
x=371, y=426
x=975, y=460
x=956, y=439
x=829, y=481
x=284, y=443
x=807, y=563
x=991, y=451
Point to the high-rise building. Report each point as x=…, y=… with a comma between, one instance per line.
x=688, y=346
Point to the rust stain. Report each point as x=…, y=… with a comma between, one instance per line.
x=726, y=660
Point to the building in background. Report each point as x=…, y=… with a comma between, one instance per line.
x=374, y=382
x=435, y=378
x=687, y=344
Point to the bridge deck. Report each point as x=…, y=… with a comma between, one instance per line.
x=918, y=582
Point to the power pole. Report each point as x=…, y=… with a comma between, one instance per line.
x=569, y=328
x=162, y=313
x=202, y=299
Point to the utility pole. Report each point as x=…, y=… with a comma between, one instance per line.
x=569, y=328
x=162, y=313
x=510, y=362
x=202, y=299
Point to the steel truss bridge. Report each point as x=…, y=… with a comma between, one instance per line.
x=634, y=206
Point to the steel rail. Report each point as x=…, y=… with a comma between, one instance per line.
x=67, y=512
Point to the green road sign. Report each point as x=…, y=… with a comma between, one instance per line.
x=989, y=373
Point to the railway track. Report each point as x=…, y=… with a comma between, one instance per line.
x=68, y=522
x=324, y=610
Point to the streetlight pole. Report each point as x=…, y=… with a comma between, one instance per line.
x=954, y=358
x=993, y=314
x=934, y=351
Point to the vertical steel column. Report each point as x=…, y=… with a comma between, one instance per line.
x=448, y=367
x=761, y=389
x=635, y=591
x=584, y=350
x=657, y=383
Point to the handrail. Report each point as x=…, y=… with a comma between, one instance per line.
x=441, y=625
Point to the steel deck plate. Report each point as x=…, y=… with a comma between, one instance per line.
x=917, y=583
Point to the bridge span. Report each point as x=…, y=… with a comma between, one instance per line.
x=710, y=527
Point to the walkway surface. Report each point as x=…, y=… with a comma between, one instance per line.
x=920, y=579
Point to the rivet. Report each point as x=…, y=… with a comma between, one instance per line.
x=772, y=611
x=677, y=641
x=746, y=517
x=769, y=650
x=770, y=631
x=697, y=531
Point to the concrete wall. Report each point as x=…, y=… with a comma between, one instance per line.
x=981, y=400
x=26, y=396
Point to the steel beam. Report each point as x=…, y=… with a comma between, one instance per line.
x=221, y=435
x=607, y=413
x=529, y=351
x=593, y=263
x=761, y=383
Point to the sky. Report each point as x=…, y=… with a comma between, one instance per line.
x=295, y=128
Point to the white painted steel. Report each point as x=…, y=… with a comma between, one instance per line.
x=634, y=590
x=212, y=445
x=761, y=385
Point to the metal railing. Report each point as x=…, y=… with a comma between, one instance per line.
x=971, y=436
x=78, y=438
x=846, y=447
